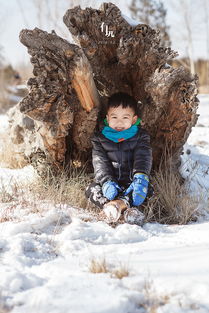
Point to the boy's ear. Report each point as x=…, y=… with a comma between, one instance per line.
x=135, y=119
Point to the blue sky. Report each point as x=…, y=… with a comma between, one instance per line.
x=13, y=19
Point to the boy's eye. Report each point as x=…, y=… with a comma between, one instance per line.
x=125, y=117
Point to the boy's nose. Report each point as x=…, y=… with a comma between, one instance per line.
x=119, y=123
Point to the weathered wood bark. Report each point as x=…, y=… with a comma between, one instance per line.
x=72, y=83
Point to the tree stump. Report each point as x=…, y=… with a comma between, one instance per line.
x=71, y=84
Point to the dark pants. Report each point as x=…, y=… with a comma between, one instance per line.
x=94, y=194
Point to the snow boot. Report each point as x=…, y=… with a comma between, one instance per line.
x=134, y=216
x=114, y=208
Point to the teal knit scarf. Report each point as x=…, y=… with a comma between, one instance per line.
x=118, y=136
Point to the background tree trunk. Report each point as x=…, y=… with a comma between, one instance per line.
x=71, y=84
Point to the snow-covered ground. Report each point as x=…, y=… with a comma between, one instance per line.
x=195, y=160
x=46, y=253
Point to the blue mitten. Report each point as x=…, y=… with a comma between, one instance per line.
x=110, y=189
x=139, y=188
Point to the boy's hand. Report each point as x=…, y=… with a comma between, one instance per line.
x=139, y=188
x=110, y=189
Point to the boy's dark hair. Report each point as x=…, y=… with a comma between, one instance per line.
x=124, y=99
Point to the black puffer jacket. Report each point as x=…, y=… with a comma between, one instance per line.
x=120, y=161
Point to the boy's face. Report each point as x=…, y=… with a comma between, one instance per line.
x=121, y=118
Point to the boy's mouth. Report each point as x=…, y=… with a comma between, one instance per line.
x=119, y=129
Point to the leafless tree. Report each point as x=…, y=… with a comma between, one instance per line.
x=188, y=26
x=187, y=16
x=49, y=13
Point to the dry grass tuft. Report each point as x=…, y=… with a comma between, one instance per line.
x=120, y=272
x=98, y=266
x=171, y=202
x=152, y=300
x=66, y=187
x=6, y=196
x=15, y=196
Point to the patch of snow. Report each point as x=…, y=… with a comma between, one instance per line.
x=50, y=272
x=195, y=159
x=46, y=251
x=9, y=178
x=3, y=123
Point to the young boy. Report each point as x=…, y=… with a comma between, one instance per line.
x=122, y=160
